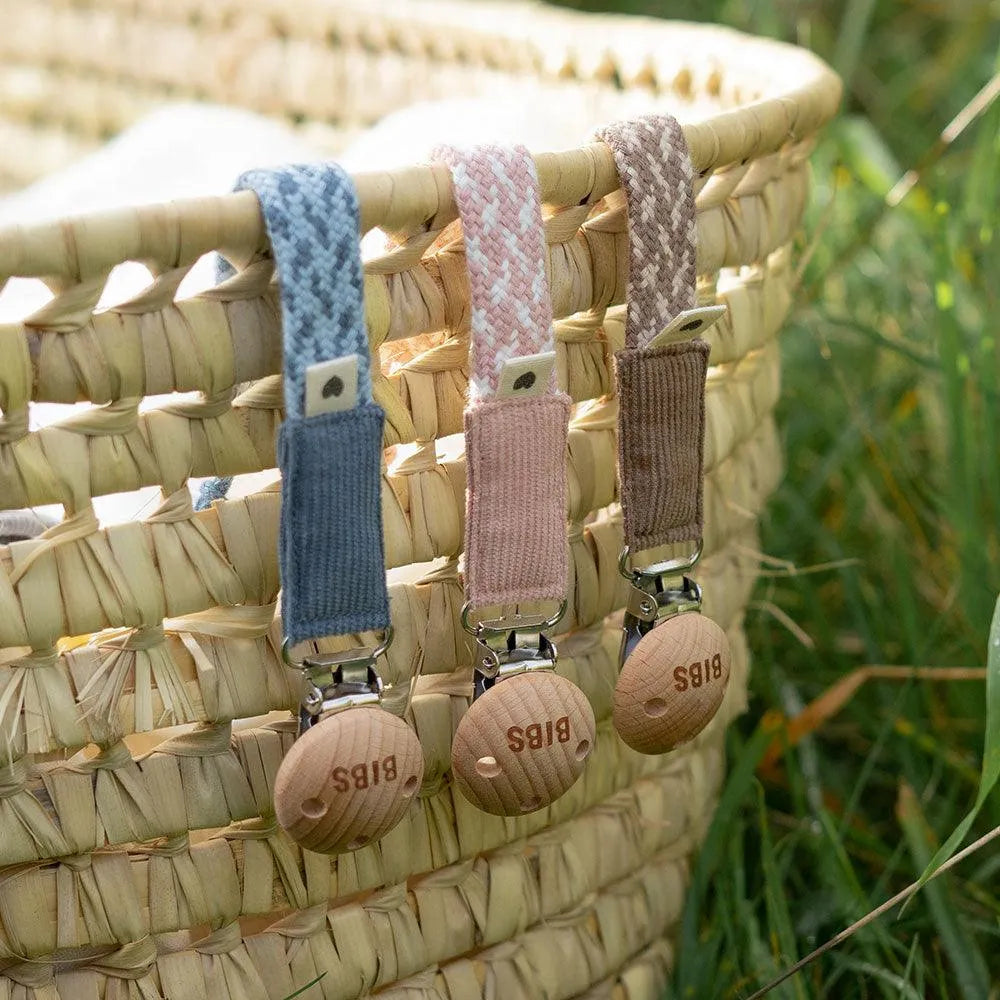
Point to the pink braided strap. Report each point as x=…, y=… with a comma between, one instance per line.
x=661, y=390
x=496, y=190
x=515, y=444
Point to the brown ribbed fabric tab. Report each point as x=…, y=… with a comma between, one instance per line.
x=661, y=423
x=661, y=442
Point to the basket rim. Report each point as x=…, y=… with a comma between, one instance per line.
x=419, y=197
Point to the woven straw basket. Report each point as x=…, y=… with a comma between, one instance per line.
x=140, y=661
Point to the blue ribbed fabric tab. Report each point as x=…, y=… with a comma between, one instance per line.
x=330, y=547
x=332, y=562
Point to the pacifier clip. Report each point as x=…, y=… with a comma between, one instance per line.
x=355, y=768
x=528, y=732
x=675, y=661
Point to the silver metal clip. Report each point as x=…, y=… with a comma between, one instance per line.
x=651, y=600
x=515, y=644
x=338, y=681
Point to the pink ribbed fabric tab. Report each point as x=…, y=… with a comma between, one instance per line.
x=515, y=548
x=661, y=422
x=515, y=446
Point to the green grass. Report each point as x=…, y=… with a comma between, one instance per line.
x=891, y=420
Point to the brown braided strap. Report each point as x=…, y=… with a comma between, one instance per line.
x=656, y=175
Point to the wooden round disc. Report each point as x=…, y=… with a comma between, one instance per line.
x=348, y=780
x=523, y=743
x=672, y=684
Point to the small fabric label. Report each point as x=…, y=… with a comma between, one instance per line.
x=332, y=386
x=530, y=375
x=688, y=324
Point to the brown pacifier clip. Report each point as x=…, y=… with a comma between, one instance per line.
x=675, y=660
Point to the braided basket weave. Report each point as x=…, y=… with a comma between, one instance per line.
x=140, y=854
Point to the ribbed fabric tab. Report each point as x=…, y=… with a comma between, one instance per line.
x=515, y=447
x=330, y=545
x=332, y=557
x=661, y=442
x=661, y=391
x=516, y=457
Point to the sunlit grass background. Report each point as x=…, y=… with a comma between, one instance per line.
x=891, y=422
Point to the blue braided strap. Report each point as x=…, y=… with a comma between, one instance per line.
x=211, y=490
x=330, y=546
x=312, y=218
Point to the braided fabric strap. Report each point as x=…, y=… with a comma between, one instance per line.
x=657, y=178
x=661, y=388
x=517, y=420
x=330, y=445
